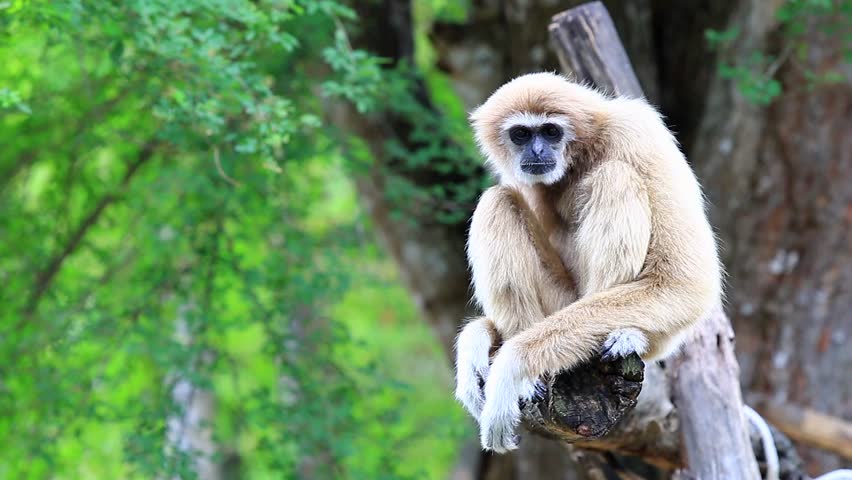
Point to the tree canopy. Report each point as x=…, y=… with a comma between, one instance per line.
x=176, y=212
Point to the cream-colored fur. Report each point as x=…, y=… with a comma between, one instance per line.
x=611, y=249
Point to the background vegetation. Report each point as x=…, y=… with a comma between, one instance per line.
x=183, y=253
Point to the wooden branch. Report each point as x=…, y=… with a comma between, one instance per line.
x=706, y=390
x=810, y=427
x=588, y=46
x=594, y=406
x=602, y=406
x=44, y=278
x=589, y=399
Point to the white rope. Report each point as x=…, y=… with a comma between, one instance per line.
x=842, y=474
x=771, y=453
x=769, y=450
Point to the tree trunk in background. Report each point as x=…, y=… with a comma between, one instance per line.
x=779, y=180
x=189, y=430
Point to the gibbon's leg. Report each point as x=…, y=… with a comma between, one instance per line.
x=518, y=276
x=473, y=357
x=518, y=279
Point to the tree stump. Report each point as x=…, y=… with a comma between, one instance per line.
x=586, y=402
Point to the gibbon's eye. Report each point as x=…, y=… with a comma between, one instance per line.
x=520, y=135
x=551, y=132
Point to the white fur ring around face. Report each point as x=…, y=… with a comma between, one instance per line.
x=503, y=389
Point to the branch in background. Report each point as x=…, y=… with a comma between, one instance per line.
x=44, y=278
x=190, y=428
x=810, y=427
x=92, y=117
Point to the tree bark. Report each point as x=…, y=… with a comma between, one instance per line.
x=778, y=179
x=189, y=430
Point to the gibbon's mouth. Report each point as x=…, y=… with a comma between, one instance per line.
x=539, y=168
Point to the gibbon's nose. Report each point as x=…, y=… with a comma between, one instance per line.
x=538, y=148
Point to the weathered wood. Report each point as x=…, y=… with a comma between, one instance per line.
x=592, y=399
x=588, y=46
x=704, y=379
x=602, y=406
x=810, y=427
x=706, y=391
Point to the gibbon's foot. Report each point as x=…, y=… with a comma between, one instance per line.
x=623, y=342
x=470, y=388
x=472, y=365
x=505, y=389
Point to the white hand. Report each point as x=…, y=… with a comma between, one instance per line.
x=501, y=414
x=623, y=342
x=472, y=364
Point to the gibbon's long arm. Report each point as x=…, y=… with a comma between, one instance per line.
x=612, y=241
x=518, y=277
x=614, y=227
x=473, y=359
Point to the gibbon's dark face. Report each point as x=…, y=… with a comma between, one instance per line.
x=541, y=147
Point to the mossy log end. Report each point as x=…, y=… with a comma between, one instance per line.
x=588, y=401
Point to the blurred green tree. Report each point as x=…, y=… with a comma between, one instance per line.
x=181, y=247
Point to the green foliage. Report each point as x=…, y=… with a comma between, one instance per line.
x=10, y=99
x=755, y=76
x=720, y=38
x=833, y=18
x=177, y=216
x=753, y=79
x=361, y=73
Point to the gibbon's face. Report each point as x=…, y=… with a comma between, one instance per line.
x=524, y=128
x=537, y=145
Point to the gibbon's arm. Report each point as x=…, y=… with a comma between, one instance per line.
x=614, y=227
x=518, y=279
x=612, y=240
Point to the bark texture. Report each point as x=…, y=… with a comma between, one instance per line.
x=779, y=179
x=706, y=391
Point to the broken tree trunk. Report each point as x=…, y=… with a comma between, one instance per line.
x=599, y=406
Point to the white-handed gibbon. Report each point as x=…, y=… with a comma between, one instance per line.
x=595, y=241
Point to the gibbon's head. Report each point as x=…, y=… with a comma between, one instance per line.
x=526, y=127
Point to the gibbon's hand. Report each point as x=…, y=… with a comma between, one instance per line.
x=505, y=389
x=623, y=342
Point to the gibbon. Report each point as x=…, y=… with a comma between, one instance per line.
x=595, y=241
